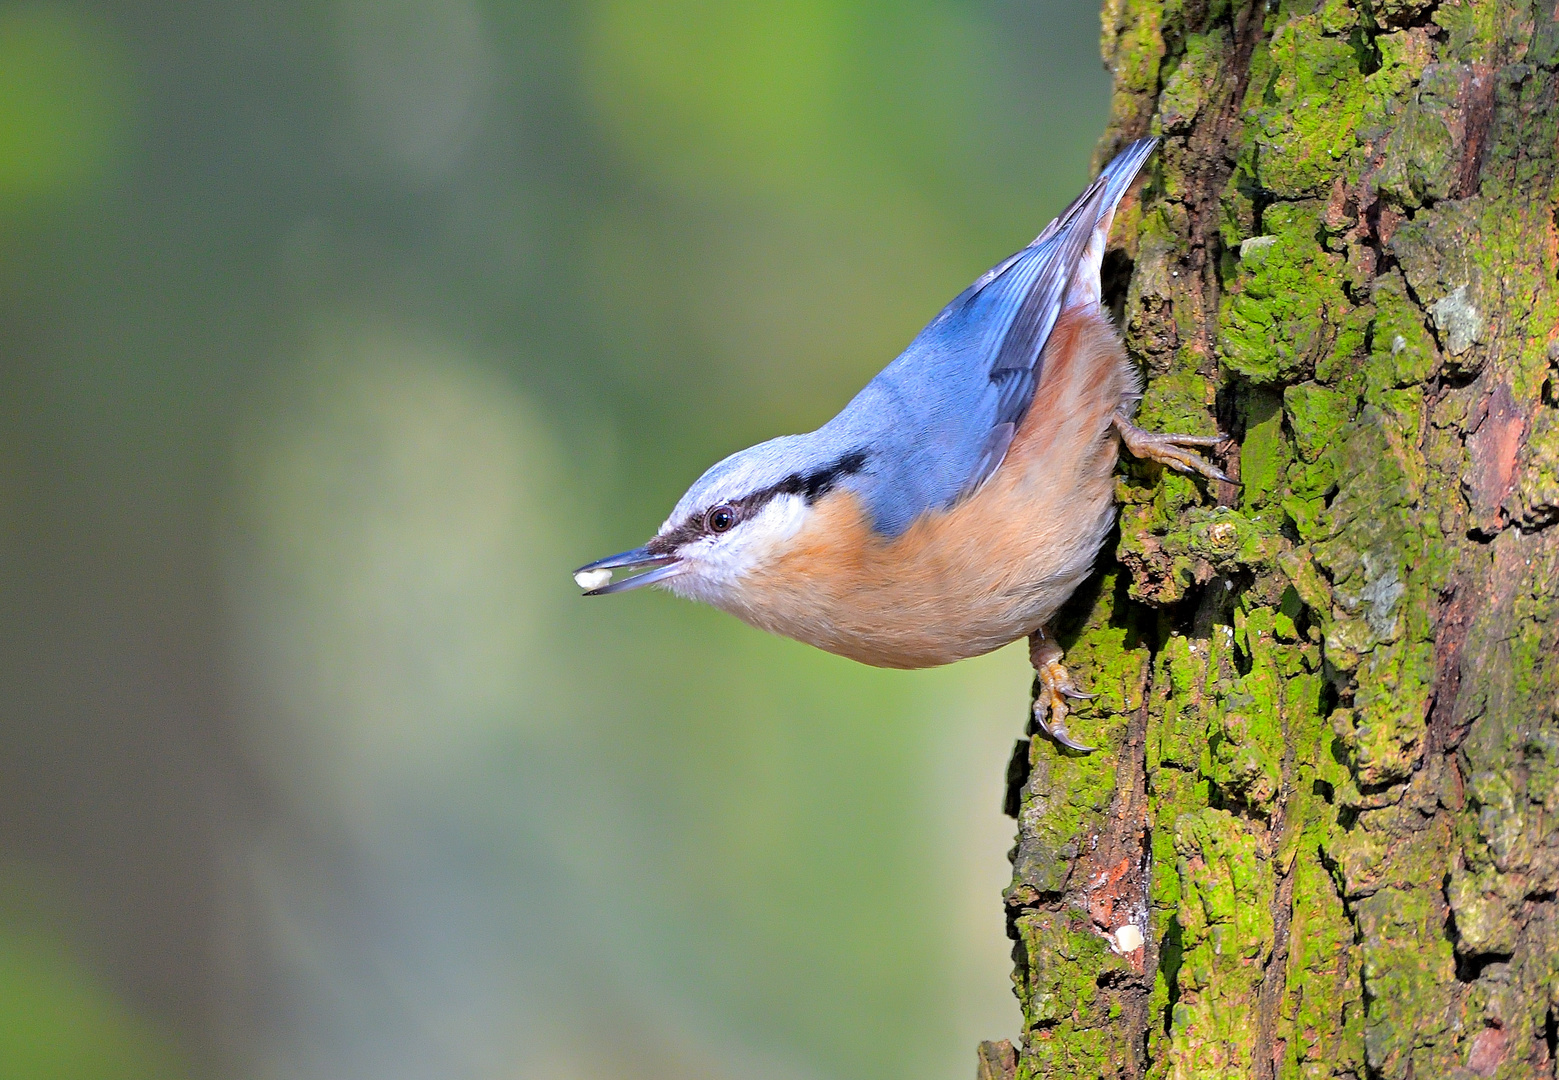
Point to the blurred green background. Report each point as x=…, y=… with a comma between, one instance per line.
x=334, y=335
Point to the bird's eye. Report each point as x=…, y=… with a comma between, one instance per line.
x=720, y=518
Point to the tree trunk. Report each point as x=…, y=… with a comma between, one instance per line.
x=1322, y=835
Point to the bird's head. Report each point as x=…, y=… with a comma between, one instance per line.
x=733, y=521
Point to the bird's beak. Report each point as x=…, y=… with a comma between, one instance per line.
x=596, y=578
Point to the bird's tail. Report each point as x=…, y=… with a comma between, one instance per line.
x=1114, y=180
x=1119, y=174
x=1100, y=198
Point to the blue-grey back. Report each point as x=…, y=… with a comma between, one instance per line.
x=939, y=418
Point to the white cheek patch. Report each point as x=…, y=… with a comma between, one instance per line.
x=717, y=564
x=779, y=520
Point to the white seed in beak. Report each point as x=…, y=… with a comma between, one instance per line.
x=592, y=579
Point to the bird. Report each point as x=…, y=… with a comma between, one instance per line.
x=956, y=502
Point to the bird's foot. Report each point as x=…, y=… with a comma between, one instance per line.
x=1171, y=450
x=1055, y=686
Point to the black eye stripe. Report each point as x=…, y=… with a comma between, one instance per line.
x=814, y=486
x=810, y=486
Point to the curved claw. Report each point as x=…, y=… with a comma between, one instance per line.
x=1049, y=704
x=1061, y=681
x=1058, y=733
x=1055, y=685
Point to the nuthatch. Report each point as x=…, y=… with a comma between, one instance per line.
x=958, y=500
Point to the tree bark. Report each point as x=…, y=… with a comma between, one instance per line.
x=1328, y=699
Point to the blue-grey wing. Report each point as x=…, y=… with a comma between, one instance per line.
x=943, y=414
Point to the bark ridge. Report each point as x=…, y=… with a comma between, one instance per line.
x=1322, y=839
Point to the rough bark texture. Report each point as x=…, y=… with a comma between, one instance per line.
x=1328, y=699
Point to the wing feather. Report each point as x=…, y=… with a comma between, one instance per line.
x=945, y=412
x=1041, y=294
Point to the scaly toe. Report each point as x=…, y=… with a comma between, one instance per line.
x=1184, y=462
x=1061, y=681
x=1170, y=449
x=1050, y=708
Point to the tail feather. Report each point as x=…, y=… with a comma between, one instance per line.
x=1115, y=179
x=1105, y=193
x=1066, y=257
x=968, y=379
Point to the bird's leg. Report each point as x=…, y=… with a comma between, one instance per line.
x=1055, y=686
x=1168, y=449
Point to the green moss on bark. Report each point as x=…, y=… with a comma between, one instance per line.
x=1329, y=790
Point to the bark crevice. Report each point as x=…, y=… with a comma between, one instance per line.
x=1328, y=697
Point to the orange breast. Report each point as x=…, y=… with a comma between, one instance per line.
x=991, y=569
